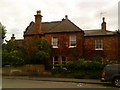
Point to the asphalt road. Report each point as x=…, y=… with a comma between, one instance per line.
x=17, y=83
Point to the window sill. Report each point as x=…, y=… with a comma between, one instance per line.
x=99, y=49
x=72, y=46
x=54, y=47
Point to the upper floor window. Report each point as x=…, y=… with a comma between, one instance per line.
x=73, y=41
x=98, y=44
x=55, y=42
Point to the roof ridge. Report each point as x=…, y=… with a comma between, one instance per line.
x=51, y=22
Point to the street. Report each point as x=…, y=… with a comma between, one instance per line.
x=18, y=83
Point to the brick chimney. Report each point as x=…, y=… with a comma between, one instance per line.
x=13, y=37
x=103, y=25
x=38, y=19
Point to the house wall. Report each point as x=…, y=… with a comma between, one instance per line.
x=63, y=45
x=110, y=48
x=119, y=48
x=85, y=47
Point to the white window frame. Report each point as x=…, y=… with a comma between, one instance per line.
x=70, y=46
x=54, y=61
x=54, y=46
x=98, y=44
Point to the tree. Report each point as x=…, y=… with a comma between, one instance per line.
x=10, y=46
x=13, y=58
x=44, y=52
x=44, y=45
x=2, y=31
x=42, y=57
x=37, y=51
x=11, y=55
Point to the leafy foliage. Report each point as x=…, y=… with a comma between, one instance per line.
x=85, y=69
x=41, y=57
x=37, y=51
x=13, y=58
x=44, y=45
x=2, y=30
x=10, y=46
x=32, y=52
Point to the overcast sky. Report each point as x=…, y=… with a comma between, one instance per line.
x=86, y=14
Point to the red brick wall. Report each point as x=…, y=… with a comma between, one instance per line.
x=110, y=48
x=63, y=45
x=119, y=48
x=85, y=46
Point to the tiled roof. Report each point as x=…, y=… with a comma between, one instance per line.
x=54, y=27
x=30, y=29
x=47, y=26
x=65, y=26
x=98, y=32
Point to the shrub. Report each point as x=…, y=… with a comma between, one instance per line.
x=85, y=69
x=13, y=58
x=41, y=57
x=74, y=66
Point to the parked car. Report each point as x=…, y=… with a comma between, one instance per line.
x=111, y=73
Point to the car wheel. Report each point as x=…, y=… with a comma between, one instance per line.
x=116, y=82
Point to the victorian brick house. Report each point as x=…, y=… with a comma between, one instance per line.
x=66, y=39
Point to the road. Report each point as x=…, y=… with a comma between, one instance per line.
x=17, y=83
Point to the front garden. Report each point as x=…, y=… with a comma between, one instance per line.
x=80, y=69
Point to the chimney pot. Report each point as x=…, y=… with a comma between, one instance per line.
x=38, y=12
x=103, y=19
x=66, y=16
x=13, y=37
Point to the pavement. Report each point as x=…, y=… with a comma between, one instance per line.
x=56, y=79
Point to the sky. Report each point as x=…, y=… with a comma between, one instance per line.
x=86, y=14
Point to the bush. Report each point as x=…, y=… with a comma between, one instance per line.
x=13, y=58
x=85, y=69
x=41, y=57
x=74, y=66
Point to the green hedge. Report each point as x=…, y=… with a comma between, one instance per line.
x=85, y=69
x=80, y=69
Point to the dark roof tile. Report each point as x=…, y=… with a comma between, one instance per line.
x=53, y=27
x=97, y=32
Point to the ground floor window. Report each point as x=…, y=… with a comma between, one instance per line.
x=55, y=60
x=63, y=59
